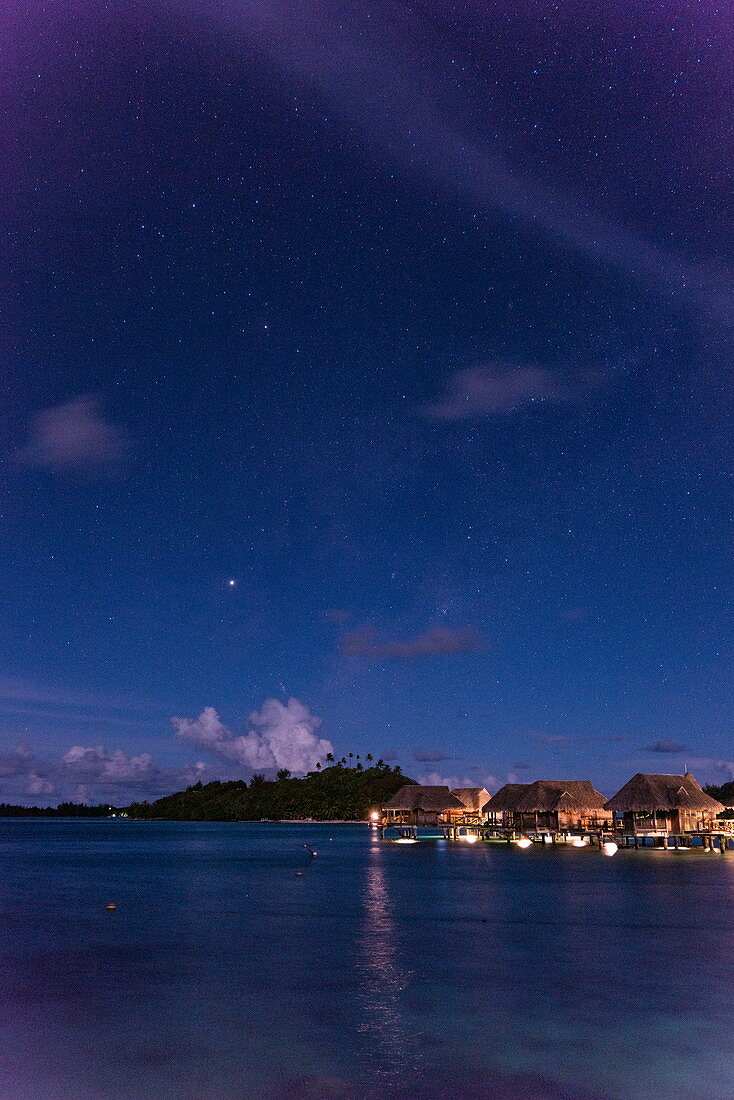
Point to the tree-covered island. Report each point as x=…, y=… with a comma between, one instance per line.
x=334, y=793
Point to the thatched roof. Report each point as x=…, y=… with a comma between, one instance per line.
x=415, y=797
x=507, y=796
x=472, y=798
x=564, y=795
x=647, y=792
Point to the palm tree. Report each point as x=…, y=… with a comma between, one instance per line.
x=318, y=766
x=330, y=758
x=369, y=757
x=351, y=756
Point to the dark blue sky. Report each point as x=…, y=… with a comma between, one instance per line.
x=414, y=320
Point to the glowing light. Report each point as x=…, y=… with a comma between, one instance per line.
x=232, y=583
x=524, y=842
x=406, y=840
x=470, y=838
x=374, y=816
x=579, y=842
x=609, y=848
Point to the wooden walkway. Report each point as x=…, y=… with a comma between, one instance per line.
x=721, y=841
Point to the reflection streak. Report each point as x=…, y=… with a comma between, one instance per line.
x=383, y=982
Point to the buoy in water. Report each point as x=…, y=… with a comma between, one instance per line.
x=111, y=905
x=299, y=874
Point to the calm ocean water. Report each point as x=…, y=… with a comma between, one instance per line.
x=383, y=970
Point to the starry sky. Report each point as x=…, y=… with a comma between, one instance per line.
x=367, y=387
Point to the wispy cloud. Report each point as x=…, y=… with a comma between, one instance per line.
x=392, y=95
x=438, y=641
x=74, y=436
x=279, y=736
x=498, y=389
x=428, y=756
x=553, y=738
x=19, y=761
x=664, y=745
x=720, y=771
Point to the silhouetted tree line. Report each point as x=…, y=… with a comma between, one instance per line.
x=337, y=792
x=64, y=809
x=724, y=794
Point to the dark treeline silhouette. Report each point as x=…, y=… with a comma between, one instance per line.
x=724, y=794
x=327, y=794
x=64, y=809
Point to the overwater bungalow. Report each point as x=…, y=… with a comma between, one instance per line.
x=501, y=809
x=556, y=806
x=474, y=801
x=662, y=805
x=414, y=804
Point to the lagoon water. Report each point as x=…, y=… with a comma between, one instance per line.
x=430, y=970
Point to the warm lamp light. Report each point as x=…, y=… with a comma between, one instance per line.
x=524, y=842
x=609, y=848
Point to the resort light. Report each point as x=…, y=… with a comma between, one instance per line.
x=406, y=840
x=374, y=816
x=579, y=842
x=470, y=838
x=609, y=848
x=523, y=842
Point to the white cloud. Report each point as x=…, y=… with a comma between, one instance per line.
x=435, y=779
x=74, y=435
x=93, y=772
x=101, y=765
x=38, y=785
x=279, y=736
x=497, y=389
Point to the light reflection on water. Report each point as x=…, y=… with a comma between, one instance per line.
x=377, y=972
x=384, y=979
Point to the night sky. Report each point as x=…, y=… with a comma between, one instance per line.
x=367, y=385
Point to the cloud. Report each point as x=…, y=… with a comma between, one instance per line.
x=553, y=739
x=498, y=389
x=101, y=765
x=394, y=96
x=438, y=641
x=709, y=769
x=38, y=785
x=106, y=775
x=436, y=779
x=664, y=745
x=426, y=756
x=279, y=736
x=16, y=762
x=73, y=436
